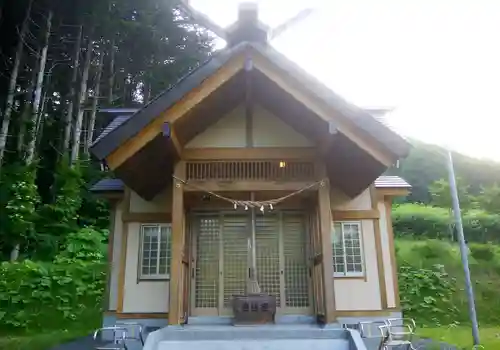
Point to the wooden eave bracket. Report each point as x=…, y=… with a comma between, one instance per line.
x=169, y=133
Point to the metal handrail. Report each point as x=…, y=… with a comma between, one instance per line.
x=117, y=341
x=134, y=325
x=112, y=328
x=405, y=321
x=365, y=330
x=391, y=338
x=392, y=332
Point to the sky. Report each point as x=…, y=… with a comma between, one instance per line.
x=436, y=63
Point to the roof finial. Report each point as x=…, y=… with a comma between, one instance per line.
x=248, y=12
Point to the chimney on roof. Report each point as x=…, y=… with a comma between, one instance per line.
x=248, y=27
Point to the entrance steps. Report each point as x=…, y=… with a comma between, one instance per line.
x=268, y=337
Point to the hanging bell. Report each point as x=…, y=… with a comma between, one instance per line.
x=262, y=208
x=271, y=206
x=235, y=206
x=246, y=207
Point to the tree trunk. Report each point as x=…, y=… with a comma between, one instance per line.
x=95, y=103
x=30, y=153
x=68, y=121
x=12, y=84
x=26, y=112
x=41, y=114
x=146, y=91
x=81, y=104
x=14, y=253
x=111, y=81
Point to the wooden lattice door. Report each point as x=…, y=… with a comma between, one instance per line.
x=220, y=261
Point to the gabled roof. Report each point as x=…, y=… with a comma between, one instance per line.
x=120, y=133
x=117, y=185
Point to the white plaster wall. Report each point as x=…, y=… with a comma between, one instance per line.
x=271, y=131
x=229, y=131
x=141, y=297
x=386, y=254
x=358, y=294
x=268, y=131
x=162, y=203
x=115, y=261
x=340, y=201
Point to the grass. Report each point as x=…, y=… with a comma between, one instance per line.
x=462, y=336
x=41, y=341
x=44, y=339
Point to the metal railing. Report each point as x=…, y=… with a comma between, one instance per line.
x=126, y=331
x=393, y=332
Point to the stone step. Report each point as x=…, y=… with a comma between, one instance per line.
x=264, y=332
x=256, y=344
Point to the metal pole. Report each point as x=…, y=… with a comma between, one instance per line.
x=463, y=249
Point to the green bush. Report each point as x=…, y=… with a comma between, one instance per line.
x=483, y=252
x=421, y=277
x=38, y=295
x=423, y=221
x=427, y=294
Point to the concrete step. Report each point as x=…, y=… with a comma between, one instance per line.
x=264, y=332
x=268, y=337
x=257, y=344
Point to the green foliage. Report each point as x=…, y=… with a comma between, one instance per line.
x=441, y=194
x=489, y=198
x=426, y=294
x=21, y=200
x=483, y=252
x=93, y=211
x=36, y=295
x=59, y=217
x=423, y=221
x=426, y=267
x=427, y=164
x=86, y=245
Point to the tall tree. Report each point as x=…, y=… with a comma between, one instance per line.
x=30, y=153
x=4, y=132
x=75, y=148
x=68, y=120
x=95, y=103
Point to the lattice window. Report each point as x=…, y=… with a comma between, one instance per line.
x=155, y=251
x=347, y=249
x=251, y=170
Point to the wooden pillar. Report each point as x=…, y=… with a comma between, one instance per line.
x=111, y=238
x=175, y=314
x=380, y=253
x=392, y=248
x=325, y=227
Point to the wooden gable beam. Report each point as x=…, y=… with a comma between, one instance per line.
x=326, y=113
x=392, y=192
x=190, y=100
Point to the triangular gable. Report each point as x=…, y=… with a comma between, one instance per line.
x=351, y=121
x=267, y=129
